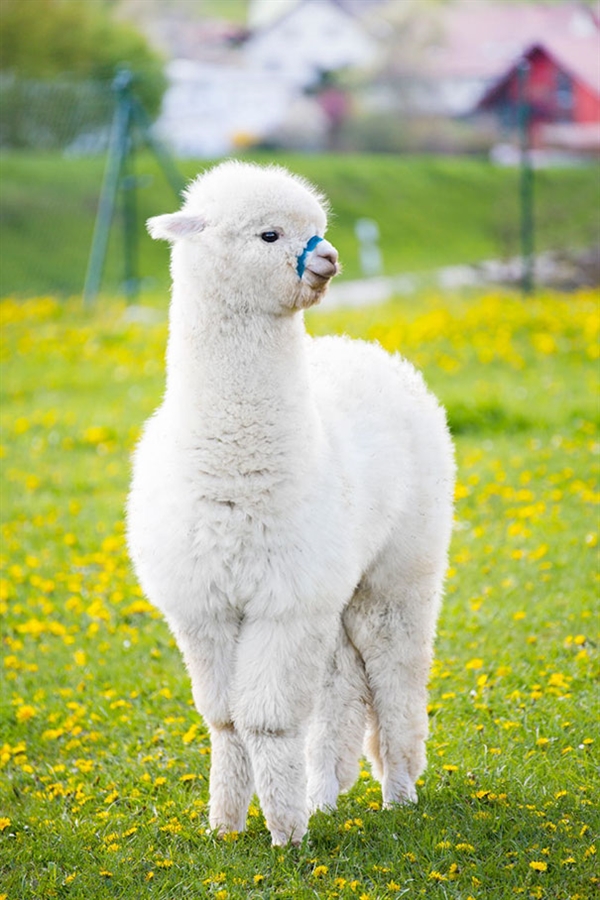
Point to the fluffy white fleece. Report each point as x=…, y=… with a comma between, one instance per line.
x=290, y=512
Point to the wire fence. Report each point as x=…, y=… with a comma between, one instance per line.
x=73, y=116
x=54, y=138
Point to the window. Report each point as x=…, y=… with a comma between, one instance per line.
x=564, y=96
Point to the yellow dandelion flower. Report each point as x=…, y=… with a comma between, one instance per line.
x=538, y=865
x=26, y=712
x=4, y=823
x=437, y=876
x=475, y=663
x=319, y=871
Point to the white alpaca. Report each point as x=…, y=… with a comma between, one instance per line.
x=290, y=511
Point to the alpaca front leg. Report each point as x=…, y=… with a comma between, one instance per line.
x=231, y=783
x=209, y=651
x=278, y=674
x=278, y=761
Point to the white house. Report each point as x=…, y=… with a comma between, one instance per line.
x=307, y=38
x=209, y=108
x=258, y=90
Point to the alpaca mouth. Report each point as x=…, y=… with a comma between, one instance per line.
x=322, y=268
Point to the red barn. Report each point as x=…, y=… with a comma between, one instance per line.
x=562, y=95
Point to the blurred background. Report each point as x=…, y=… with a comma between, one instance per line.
x=421, y=119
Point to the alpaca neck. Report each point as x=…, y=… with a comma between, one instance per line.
x=238, y=385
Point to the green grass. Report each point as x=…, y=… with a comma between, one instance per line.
x=431, y=211
x=105, y=762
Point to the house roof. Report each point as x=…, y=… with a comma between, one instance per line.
x=482, y=40
x=265, y=13
x=564, y=64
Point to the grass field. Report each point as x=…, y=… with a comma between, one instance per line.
x=104, y=760
x=431, y=212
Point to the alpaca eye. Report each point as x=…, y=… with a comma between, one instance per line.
x=270, y=236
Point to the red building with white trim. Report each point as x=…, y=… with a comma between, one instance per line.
x=562, y=98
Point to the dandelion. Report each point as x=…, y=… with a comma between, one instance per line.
x=475, y=663
x=231, y=837
x=538, y=866
x=26, y=712
x=319, y=871
x=4, y=823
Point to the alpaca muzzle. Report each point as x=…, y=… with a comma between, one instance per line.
x=321, y=260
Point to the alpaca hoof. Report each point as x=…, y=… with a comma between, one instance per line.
x=400, y=794
x=293, y=838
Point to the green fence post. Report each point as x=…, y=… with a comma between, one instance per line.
x=119, y=174
x=116, y=155
x=129, y=185
x=526, y=183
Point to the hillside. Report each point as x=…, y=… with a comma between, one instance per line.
x=431, y=212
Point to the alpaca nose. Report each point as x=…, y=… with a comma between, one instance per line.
x=327, y=251
x=323, y=260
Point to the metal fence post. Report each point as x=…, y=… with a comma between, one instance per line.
x=525, y=183
x=119, y=174
x=117, y=151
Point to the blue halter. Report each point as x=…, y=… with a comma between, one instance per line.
x=308, y=249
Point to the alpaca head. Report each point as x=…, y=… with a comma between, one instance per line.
x=251, y=238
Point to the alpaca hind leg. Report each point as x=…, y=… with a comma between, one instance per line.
x=337, y=726
x=393, y=627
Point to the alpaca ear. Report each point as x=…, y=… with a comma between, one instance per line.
x=174, y=226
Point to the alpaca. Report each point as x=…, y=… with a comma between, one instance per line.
x=290, y=511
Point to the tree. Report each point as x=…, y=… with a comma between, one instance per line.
x=76, y=40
